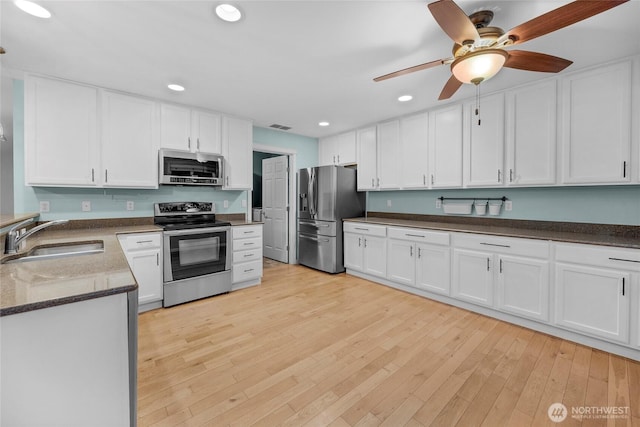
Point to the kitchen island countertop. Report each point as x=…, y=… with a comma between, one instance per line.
x=33, y=285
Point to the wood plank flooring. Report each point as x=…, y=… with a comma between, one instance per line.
x=311, y=349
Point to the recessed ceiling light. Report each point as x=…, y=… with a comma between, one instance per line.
x=176, y=87
x=32, y=8
x=228, y=12
x=323, y=124
x=405, y=98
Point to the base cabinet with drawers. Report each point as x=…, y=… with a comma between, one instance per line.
x=247, y=255
x=586, y=293
x=144, y=255
x=365, y=248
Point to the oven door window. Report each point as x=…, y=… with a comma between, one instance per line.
x=198, y=254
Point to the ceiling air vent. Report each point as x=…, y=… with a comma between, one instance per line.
x=277, y=126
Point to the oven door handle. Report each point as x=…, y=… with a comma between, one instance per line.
x=197, y=231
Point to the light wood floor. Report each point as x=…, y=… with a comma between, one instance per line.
x=307, y=348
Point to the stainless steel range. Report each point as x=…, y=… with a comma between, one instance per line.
x=197, y=256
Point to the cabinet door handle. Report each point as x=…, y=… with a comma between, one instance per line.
x=488, y=264
x=334, y=160
x=424, y=179
x=510, y=175
x=500, y=265
x=419, y=252
x=624, y=260
x=499, y=175
x=157, y=259
x=338, y=158
x=106, y=175
x=495, y=244
x=93, y=175
x=623, y=286
x=189, y=142
x=432, y=179
x=410, y=251
x=227, y=179
x=359, y=241
x=624, y=169
x=198, y=144
x=365, y=243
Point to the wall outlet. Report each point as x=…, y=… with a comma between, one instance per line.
x=388, y=203
x=225, y=204
x=508, y=205
x=130, y=205
x=44, y=206
x=438, y=204
x=86, y=206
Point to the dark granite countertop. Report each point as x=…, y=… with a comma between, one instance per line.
x=41, y=284
x=624, y=236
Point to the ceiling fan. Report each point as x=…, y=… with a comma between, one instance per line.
x=479, y=50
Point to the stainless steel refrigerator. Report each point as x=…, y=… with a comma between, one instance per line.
x=326, y=195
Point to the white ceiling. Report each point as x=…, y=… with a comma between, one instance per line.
x=293, y=63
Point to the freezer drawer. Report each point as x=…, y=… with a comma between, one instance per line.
x=312, y=226
x=320, y=252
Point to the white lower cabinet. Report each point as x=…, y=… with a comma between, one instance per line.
x=144, y=255
x=247, y=255
x=586, y=293
x=594, y=286
x=509, y=274
x=365, y=248
x=419, y=258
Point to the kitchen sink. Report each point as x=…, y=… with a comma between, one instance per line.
x=57, y=250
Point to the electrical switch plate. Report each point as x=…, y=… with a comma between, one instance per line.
x=388, y=203
x=225, y=204
x=86, y=206
x=130, y=205
x=508, y=205
x=438, y=203
x=44, y=206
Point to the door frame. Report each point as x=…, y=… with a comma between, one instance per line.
x=291, y=154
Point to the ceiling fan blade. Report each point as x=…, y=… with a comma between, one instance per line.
x=450, y=88
x=412, y=69
x=559, y=18
x=534, y=61
x=454, y=21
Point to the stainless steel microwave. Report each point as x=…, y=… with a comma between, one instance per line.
x=186, y=168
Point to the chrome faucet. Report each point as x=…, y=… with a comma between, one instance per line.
x=13, y=239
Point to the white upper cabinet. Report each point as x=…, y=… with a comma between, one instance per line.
x=531, y=135
x=484, y=142
x=129, y=142
x=596, y=125
x=445, y=147
x=337, y=149
x=414, y=131
x=389, y=159
x=61, y=133
x=237, y=149
x=186, y=129
x=367, y=172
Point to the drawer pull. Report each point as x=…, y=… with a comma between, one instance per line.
x=246, y=271
x=494, y=244
x=624, y=260
x=414, y=235
x=249, y=232
x=248, y=244
x=248, y=255
x=144, y=241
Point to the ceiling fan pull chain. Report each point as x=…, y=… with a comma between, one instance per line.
x=478, y=103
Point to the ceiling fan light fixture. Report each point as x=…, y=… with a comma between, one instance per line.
x=32, y=9
x=479, y=66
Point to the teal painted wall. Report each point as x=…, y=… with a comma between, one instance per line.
x=65, y=203
x=602, y=205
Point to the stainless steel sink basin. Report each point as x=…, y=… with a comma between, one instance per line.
x=60, y=250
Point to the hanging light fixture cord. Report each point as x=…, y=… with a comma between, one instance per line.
x=478, y=102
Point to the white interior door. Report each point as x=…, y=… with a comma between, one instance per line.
x=275, y=190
